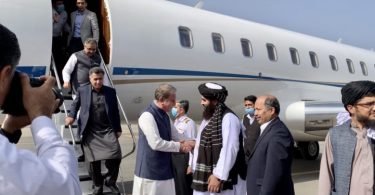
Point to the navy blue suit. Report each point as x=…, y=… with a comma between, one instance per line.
x=83, y=101
x=270, y=164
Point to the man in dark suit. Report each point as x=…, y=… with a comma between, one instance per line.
x=252, y=127
x=84, y=25
x=269, y=167
x=99, y=128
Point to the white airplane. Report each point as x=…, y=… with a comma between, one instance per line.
x=148, y=42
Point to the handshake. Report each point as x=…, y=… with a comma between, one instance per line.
x=187, y=145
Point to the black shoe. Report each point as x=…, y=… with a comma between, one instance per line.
x=98, y=190
x=81, y=158
x=113, y=187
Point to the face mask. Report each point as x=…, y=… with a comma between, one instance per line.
x=60, y=8
x=250, y=111
x=174, y=112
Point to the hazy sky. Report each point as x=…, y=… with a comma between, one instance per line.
x=351, y=20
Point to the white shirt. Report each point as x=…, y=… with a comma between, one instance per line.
x=186, y=127
x=52, y=170
x=251, y=119
x=264, y=126
x=149, y=127
x=71, y=64
x=231, y=128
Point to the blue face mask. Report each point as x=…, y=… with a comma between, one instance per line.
x=250, y=111
x=60, y=8
x=174, y=112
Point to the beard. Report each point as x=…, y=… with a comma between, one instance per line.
x=365, y=120
x=208, y=111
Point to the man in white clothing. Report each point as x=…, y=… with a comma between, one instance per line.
x=53, y=169
x=181, y=164
x=219, y=165
x=157, y=140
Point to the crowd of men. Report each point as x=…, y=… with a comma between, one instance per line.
x=226, y=154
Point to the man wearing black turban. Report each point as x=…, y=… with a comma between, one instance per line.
x=219, y=161
x=347, y=165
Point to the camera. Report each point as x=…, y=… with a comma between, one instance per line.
x=13, y=103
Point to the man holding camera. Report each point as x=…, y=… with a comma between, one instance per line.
x=53, y=168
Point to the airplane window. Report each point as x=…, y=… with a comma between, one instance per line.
x=334, y=64
x=247, y=50
x=350, y=65
x=294, y=55
x=218, y=42
x=364, y=68
x=186, y=37
x=271, y=49
x=314, y=59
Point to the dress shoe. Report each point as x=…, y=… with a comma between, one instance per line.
x=98, y=190
x=113, y=187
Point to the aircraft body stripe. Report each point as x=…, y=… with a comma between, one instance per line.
x=33, y=71
x=119, y=71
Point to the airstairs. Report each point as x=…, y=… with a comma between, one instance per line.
x=69, y=133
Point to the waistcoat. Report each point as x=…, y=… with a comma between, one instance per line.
x=343, y=140
x=82, y=68
x=152, y=164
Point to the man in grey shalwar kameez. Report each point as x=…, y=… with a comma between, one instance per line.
x=99, y=127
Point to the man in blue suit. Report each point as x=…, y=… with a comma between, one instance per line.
x=99, y=128
x=269, y=168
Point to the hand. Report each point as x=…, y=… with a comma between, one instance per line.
x=69, y=120
x=56, y=17
x=66, y=85
x=189, y=170
x=213, y=184
x=191, y=143
x=185, y=146
x=13, y=123
x=39, y=101
x=118, y=134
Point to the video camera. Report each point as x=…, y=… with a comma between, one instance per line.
x=13, y=103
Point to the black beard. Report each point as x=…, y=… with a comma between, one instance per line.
x=365, y=120
x=208, y=111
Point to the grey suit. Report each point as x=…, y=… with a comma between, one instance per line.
x=89, y=26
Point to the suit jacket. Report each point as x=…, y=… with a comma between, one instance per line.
x=89, y=26
x=83, y=102
x=269, y=169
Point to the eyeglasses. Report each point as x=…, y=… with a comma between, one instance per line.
x=366, y=105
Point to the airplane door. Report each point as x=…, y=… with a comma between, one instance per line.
x=31, y=21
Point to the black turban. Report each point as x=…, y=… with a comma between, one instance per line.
x=213, y=91
x=356, y=90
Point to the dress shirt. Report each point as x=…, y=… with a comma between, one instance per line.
x=251, y=119
x=77, y=24
x=187, y=127
x=231, y=128
x=264, y=126
x=71, y=64
x=52, y=170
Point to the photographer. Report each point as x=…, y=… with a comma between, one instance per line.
x=53, y=169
